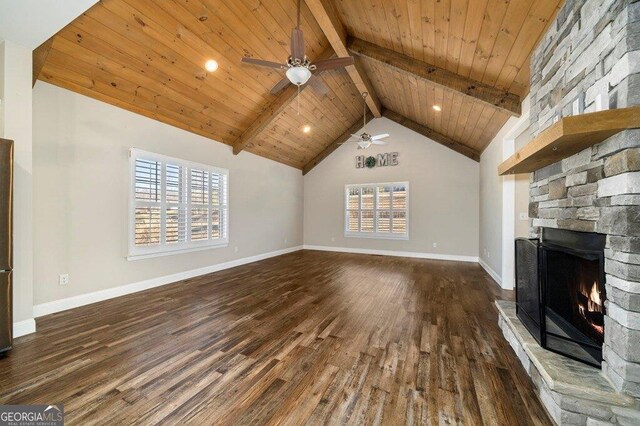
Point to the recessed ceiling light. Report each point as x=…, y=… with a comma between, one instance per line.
x=211, y=65
x=437, y=107
x=306, y=129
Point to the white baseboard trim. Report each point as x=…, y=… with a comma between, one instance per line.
x=98, y=296
x=434, y=256
x=22, y=328
x=497, y=278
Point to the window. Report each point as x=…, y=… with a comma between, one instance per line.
x=377, y=210
x=176, y=206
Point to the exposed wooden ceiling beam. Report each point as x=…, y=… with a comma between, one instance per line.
x=282, y=101
x=334, y=145
x=39, y=55
x=500, y=99
x=432, y=134
x=325, y=14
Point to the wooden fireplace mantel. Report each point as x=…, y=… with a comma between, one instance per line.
x=569, y=136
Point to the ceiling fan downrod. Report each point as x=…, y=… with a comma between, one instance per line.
x=364, y=107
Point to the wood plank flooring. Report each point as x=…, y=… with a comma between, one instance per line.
x=309, y=337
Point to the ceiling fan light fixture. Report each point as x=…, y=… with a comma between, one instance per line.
x=211, y=65
x=298, y=75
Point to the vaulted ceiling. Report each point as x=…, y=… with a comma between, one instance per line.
x=471, y=57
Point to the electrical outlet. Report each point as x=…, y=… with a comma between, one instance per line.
x=235, y=249
x=333, y=239
x=524, y=216
x=63, y=279
x=286, y=240
x=435, y=245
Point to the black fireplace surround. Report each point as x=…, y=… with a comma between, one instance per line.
x=560, y=292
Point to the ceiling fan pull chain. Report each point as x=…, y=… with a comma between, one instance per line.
x=298, y=99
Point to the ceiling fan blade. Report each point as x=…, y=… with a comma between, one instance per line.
x=297, y=44
x=318, y=85
x=379, y=142
x=378, y=137
x=261, y=63
x=280, y=85
x=332, y=63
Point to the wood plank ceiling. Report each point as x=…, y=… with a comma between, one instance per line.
x=148, y=57
x=489, y=41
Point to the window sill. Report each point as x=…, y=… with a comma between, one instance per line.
x=378, y=236
x=141, y=256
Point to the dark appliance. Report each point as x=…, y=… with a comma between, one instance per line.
x=6, y=244
x=560, y=292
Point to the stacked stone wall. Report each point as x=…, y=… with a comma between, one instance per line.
x=592, y=53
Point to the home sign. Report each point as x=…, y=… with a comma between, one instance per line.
x=381, y=160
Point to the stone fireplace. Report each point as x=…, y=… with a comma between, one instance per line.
x=590, y=55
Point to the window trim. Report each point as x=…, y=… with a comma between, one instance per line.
x=137, y=253
x=374, y=235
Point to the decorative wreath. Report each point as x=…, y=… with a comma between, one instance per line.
x=370, y=162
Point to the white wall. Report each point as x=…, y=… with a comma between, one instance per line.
x=491, y=207
x=31, y=22
x=81, y=183
x=497, y=195
x=522, y=191
x=16, y=124
x=443, y=195
x=24, y=25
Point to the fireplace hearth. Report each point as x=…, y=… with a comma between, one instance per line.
x=560, y=292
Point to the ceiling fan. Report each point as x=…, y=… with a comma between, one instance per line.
x=300, y=70
x=365, y=140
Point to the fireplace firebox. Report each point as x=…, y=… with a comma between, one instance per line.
x=560, y=292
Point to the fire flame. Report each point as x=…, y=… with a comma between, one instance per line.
x=593, y=305
x=594, y=296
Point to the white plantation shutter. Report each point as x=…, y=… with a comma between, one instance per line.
x=148, y=202
x=383, y=210
x=353, y=209
x=367, y=209
x=199, y=209
x=176, y=205
x=219, y=209
x=399, y=209
x=377, y=210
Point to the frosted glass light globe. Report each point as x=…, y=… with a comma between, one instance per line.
x=298, y=75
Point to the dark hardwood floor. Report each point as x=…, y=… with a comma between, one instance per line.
x=309, y=337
